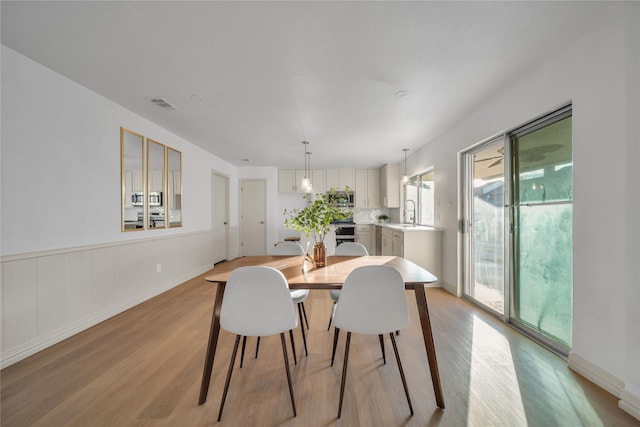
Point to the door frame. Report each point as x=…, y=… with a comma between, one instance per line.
x=465, y=213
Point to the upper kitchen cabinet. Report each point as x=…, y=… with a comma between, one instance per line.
x=390, y=185
x=367, y=190
x=290, y=180
x=319, y=180
x=340, y=178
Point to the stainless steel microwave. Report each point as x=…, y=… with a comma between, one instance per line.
x=155, y=198
x=342, y=198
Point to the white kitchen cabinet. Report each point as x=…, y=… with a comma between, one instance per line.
x=365, y=235
x=420, y=245
x=340, y=178
x=318, y=180
x=390, y=186
x=387, y=240
x=367, y=189
x=132, y=184
x=155, y=181
x=290, y=180
x=397, y=243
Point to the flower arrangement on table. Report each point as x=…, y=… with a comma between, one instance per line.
x=315, y=220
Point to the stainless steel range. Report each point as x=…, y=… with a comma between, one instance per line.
x=345, y=230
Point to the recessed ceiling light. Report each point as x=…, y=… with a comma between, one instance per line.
x=197, y=97
x=400, y=93
x=246, y=160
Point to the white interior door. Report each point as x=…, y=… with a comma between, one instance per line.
x=220, y=216
x=253, y=228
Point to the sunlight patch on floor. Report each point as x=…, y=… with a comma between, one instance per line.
x=491, y=364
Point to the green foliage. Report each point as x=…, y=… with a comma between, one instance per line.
x=316, y=218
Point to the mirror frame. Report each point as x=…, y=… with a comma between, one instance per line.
x=152, y=146
x=124, y=154
x=172, y=200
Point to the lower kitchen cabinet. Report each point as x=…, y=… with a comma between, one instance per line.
x=366, y=236
x=422, y=246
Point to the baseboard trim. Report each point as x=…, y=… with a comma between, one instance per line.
x=452, y=289
x=596, y=375
x=630, y=403
x=32, y=347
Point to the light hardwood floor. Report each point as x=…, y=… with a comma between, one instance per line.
x=143, y=368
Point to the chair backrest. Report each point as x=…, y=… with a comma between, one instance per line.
x=288, y=248
x=372, y=301
x=351, y=249
x=257, y=302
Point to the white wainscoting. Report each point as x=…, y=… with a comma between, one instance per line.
x=49, y=296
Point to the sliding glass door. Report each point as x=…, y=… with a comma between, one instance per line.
x=542, y=213
x=485, y=225
x=516, y=227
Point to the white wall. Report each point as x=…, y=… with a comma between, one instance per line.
x=65, y=263
x=61, y=163
x=632, y=212
x=599, y=74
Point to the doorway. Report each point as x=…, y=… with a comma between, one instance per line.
x=253, y=229
x=516, y=227
x=220, y=216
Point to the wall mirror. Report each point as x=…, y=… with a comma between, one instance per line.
x=156, y=211
x=132, y=179
x=174, y=187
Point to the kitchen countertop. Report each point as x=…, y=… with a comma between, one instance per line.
x=403, y=227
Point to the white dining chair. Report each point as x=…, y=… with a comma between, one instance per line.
x=345, y=249
x=372, y=301
x=257, y=302
x=298, y=296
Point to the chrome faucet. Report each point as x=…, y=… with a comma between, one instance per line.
x=413, y=217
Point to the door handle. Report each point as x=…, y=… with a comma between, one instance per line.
x=261, y=222
x=225, y=223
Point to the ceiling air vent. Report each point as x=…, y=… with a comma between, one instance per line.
x=162, y=103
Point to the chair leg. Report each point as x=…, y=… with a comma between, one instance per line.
x=257, y=346
x=244, y=344
x=305, y=315
x=226, y=384
x=304, y=336
x=333, y=309
x=344, y=372
x=404, y=380
x=335, y=344
x=384, y=357
x=286, y=367
x=293, y=347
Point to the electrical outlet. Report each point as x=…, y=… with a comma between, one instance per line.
x=159, y=268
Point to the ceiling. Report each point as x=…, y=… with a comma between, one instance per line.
x=251, y=80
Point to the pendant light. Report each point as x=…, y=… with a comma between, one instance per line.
x=405, y=177
x=310, y=186
x=305, y=181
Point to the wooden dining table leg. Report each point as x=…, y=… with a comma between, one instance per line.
x=211, y=347
x=423, y=313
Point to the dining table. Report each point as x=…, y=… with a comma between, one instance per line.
x=302, y=274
